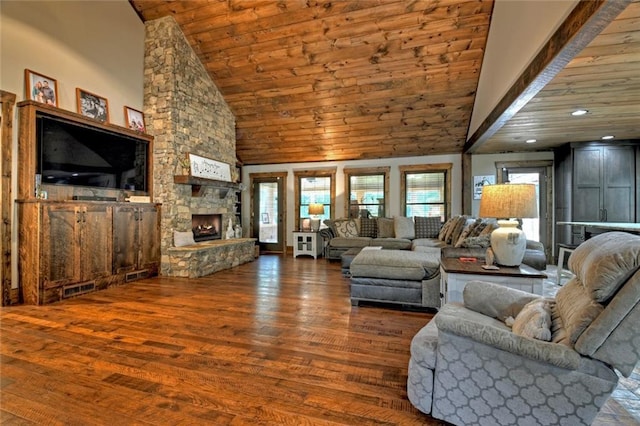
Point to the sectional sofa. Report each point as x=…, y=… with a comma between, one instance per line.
x=460, y=236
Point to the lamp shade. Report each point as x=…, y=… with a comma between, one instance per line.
x=316, y=209
x=509, y=201
x=506, y=201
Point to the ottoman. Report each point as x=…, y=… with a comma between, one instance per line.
x=346, y=258
x=396, y=276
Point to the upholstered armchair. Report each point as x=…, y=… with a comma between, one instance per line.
x=510, y=357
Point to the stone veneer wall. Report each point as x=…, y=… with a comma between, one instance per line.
x=185, y=112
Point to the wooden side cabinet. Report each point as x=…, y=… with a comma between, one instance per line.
x=309, y=243
x=136, y=242
x=70, y=248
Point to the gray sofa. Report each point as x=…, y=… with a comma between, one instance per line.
x=508, y=357
x=460, y=236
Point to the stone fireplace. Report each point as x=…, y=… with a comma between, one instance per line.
x=206, y=227
x=186, y=113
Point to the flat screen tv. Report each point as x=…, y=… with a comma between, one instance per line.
x=70, y=153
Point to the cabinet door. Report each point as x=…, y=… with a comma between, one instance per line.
x=96, y=249
x=61, y=243
x=619, y=184
x=125, y=256
x=149, y=241
x=587, y=184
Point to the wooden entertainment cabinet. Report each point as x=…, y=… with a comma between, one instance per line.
x=70, y=247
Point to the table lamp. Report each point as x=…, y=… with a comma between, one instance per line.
x=316, y=210
x=504, y=202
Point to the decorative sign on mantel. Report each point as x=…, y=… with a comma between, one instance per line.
x=209, y=169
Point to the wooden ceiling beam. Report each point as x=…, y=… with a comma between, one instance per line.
x=583, y=24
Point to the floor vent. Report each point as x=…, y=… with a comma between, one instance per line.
x=132, y=276
x=78, y=289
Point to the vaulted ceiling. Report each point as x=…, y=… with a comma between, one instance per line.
x=342, y=80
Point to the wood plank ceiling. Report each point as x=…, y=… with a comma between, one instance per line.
x=339, y=80
x=604, y=79
x=344, y=80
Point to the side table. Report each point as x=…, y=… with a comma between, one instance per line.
x=309, y=243
x=454, y=275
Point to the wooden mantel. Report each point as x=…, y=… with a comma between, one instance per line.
x=198, y=184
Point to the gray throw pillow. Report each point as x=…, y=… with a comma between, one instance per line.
x=403, y=227
x=385, y=228
x=183, y=238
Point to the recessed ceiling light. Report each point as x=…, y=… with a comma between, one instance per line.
x=579, y=112
x=606, y=138
x=531, y=141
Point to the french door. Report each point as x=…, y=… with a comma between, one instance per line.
x=538, y=229
x=268, y=211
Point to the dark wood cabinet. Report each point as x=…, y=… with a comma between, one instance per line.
x=70, y=248
x=136, y=242
x=596, y=182
x=604, y=179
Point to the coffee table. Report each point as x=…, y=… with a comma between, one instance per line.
x=454, y=275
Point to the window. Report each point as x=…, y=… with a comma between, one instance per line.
x=426, y=190
x=367, y=189
x=311, y=187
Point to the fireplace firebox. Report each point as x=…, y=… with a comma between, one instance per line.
x=206, y=227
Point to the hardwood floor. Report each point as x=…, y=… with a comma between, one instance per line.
x=272, y=342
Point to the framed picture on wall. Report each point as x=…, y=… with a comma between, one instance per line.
x=134, y=119
x=40, y=88
x=479, y=182
x=92, y=106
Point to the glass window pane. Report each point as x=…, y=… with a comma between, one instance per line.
x=315, y=189
x=425, y=194
x=366, y=196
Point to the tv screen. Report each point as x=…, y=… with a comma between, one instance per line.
x=75, y=154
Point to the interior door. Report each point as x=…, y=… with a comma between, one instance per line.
x=537, y=229
x=268, y=213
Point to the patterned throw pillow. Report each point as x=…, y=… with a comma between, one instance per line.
x=427, y=227
x=466, y=232
x=442, y=235
x=346, y=228
x=368, y=227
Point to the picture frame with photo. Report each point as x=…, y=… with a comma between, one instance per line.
x=305, y=224
x=134, y=119
x=92, y=106
x=41, y=88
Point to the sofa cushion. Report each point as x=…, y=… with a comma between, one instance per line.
x=534, y=320
x=403, y=227
x=346, y=228
x=368, y=227
x=341, y=242
x=426, y=227
x=386, y=227
x=604, y=262
x=391, y=243
x=427, y=242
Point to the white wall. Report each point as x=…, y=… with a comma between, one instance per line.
x=518, y=30
x=394, y=201
x=485, y=164
x=95, y=45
